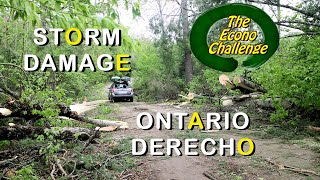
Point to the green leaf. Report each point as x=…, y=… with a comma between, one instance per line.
x=136, y=10
x=16, y=15
x=105, y=23
x=57, y=6
x=27, y=8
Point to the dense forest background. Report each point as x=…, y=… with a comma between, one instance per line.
x=162, y=66
x=290, y=75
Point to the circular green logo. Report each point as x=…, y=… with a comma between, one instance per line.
x=202, y=25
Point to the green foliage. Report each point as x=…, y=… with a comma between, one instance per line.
x=47, y=89
x=124, y=145
x=52, y=144
x=288, y=133
x=27, y=173
x=4, y=144
x=108, y=163
x=198, y=84
x=44, y=90
x=292, y=76
x=152, y=79
x=65, y=13
x=281, y=113
x=103, y=112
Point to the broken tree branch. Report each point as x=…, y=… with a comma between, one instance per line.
x=302, y=34
x=100, y=123
x=53, y=171
x=298, y=22
x=6, y=91
x=288, y=7
x=208, y=175
x=4, y=162
x=294, y=169
x=294, y=27
x=64, y=173
x=313, y=128
x=14, y=65
x=94, y=135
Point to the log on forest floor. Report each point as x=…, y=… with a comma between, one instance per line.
x=238, y=82
x=4, y=112
x=191, y=96
x=17, y=109
x=247, y=85
x=313, y=128
x=251, y=98
x=101, y=123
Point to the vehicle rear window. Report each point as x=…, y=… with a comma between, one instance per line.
x=120, y=86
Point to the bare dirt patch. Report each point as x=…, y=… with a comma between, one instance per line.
x=238, y=167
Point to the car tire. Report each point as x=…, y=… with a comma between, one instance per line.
x=131, y=99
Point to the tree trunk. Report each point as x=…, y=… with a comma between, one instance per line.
x=186, y=48
x=279, y=16
x=101, y=123
x=244, y=85
x=247, y=85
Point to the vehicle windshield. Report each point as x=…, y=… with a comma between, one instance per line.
x=121, y=86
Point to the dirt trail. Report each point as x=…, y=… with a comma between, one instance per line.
x=192, y=167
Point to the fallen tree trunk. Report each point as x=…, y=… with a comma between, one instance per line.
x=100, y=123
x=254, y=99
x=267, y=103
x=4, y=112
x=104, y=123
x=23, y=110
x=16, y=132
x=244, y=85
x=225, y=81
x=191, y=96
x=15, y=108
x=313, y=128
x=7, y=161
x=306, y=172
x=241, y=98
x=241, y=82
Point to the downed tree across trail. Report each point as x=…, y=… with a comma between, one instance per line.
x=100, y=123
x=65, y=113
x=16, y=109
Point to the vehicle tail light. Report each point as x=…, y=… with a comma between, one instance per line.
x=131, y=89
x=112, y=90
